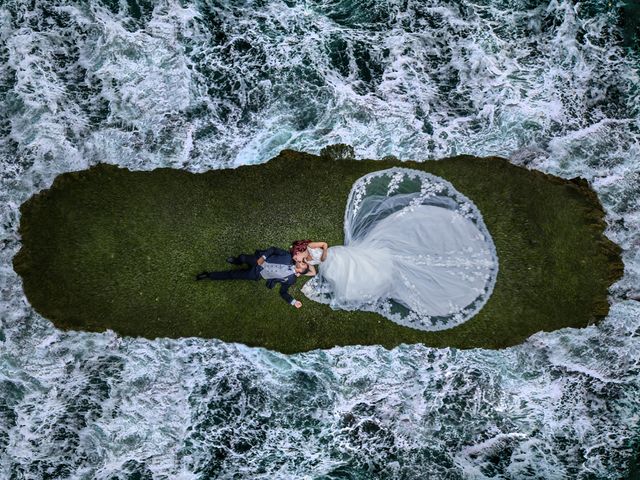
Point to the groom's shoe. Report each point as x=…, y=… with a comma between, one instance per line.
x=202, y=276
x=233, y=261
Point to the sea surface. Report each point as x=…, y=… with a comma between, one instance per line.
x=552, y=85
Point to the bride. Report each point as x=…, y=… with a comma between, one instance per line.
x=311, y=253
x=416, y=251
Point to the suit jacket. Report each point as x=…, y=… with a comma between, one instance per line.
x=282, y=257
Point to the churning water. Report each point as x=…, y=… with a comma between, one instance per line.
x=553, y=85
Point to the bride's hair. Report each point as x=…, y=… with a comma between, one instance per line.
x=298, y=246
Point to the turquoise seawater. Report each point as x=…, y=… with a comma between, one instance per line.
x=552, y=85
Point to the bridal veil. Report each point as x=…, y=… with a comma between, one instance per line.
x=416, y=251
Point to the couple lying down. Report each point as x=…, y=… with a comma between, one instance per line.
x=416, y=251
x=275, y=266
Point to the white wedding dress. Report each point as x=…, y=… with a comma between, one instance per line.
x=416, y=251
x=316, y=255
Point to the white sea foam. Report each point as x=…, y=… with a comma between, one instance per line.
x=200, y=86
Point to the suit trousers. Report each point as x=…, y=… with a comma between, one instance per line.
x=250, y=273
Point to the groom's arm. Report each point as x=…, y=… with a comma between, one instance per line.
x=267, y=253
x=271, y=251
x=284, y=293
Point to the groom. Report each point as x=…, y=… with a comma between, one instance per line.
x=273, y=264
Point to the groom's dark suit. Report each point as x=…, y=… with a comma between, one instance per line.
x=272, y=255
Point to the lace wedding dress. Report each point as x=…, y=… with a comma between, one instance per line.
x=416, y=251
x=316, y=255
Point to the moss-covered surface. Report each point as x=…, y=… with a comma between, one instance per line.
x=108, y=248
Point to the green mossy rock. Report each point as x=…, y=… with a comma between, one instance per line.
x=108, y=248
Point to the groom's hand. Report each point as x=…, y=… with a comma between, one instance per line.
x=298, y=304
x=260, y=261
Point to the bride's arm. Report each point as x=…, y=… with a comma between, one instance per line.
x=323, y=246
x=311, y=271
